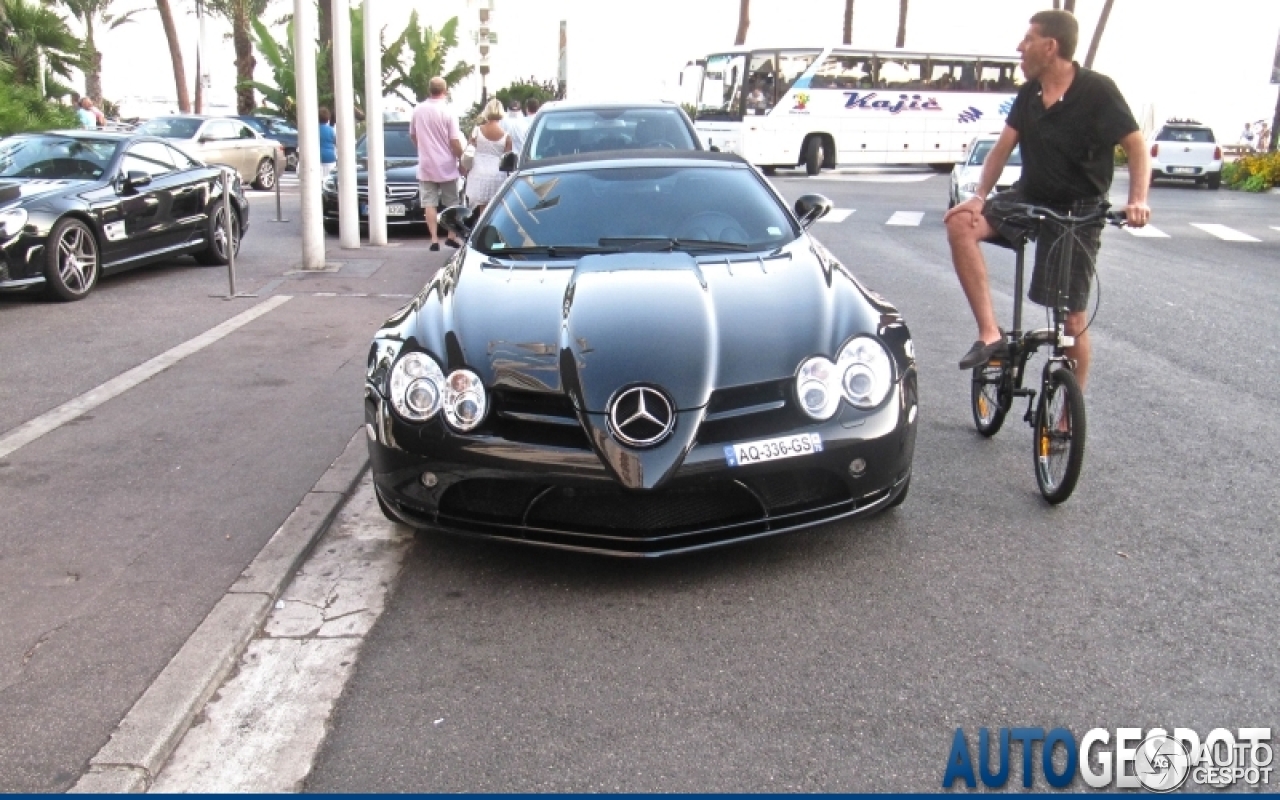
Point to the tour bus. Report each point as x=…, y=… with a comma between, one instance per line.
x=839, y=105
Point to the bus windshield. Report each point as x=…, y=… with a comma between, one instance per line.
x=720, y=96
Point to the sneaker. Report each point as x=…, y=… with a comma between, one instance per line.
x=981, y=352
x=435, y=246
x=452, y=243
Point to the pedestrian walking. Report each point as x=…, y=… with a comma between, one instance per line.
x=328, y=140
x=490, y=142
x=1067, y=120
x=1246, y=136
x=435, y=133
x=518, y=129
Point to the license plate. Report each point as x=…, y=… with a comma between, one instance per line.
x=393, y=210
x=802, y=444
x=1182, y=170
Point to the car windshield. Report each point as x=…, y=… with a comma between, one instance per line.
x=55, y=157
x=978, y=156
x=1185, y=135
x=563, y=133
x=616, y=209
x=171, y=127
x=395, y=144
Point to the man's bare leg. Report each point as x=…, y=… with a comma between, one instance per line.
x=1079, y=352
x=964, y=236
x=431, y=224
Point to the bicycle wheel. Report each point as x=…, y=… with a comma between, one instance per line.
x=1059, y=436
x=985, y=398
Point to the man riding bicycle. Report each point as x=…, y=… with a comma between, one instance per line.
x=1068, y=120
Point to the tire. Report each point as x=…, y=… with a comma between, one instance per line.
x=215, y=255
x=985, y=399
x=291, y=160
x=769, y=171
x=331, y=227
x=1215, y=181
x=902, y=496
x=73, y=263
x=265, y=178
x=1059, y=454
x=814, y=155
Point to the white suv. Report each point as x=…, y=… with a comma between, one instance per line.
x=1186, y=149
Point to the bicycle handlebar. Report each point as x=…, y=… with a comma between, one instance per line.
x=1117, y=218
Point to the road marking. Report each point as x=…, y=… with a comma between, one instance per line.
x=1147, y=232
x=908, y=218
x=263, y=729
x=837, y=215
x=1275, y=227
x=1224, y=233
x=51, y=420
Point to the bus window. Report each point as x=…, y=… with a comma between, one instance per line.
x=791, y=66
x=951, y=75
x=721, y=92
x=845, y=72
x=902, y=73
x=761, y=82
x=996, y=76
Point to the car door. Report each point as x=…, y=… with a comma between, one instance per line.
x=190, y=193
x=146, y=223
x=219, y=143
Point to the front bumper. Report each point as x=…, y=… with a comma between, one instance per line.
x=22, y=263
x=412, y=210
x=558, y=494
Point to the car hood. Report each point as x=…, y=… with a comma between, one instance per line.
x=667, y=320
x=399, y=170
x=973, y=174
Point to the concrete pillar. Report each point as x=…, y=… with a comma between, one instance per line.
x=304, y=49
x=373, y=89
x=345, y=117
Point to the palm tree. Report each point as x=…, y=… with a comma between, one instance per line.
x=241, y=14
x=27, y=31
x=427, y=51
x=279, y=96
x=175, y=55
x=902, y=23
x=848, y=22
x=90, y=13
x=1097, y=33
x=744, y=22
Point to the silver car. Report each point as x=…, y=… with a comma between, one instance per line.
x=220, y=140
x=966, y=175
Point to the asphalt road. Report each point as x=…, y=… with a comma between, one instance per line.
x=844, y=658
x=838, y=659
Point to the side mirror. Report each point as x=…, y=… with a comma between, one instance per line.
x=810, y=208
x=509, y=163
x=134, y=179
x=456, y=220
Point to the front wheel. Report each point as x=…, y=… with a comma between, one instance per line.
x=984, y=397
x=265, y=178
x=1059, y=436
x=72, y=265
x=217, y=253
x=814, y=155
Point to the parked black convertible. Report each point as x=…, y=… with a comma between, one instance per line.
x=77, y=205
x=640, y=355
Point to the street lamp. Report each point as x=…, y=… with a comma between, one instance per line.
x=483, y=38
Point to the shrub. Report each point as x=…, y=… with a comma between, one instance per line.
x=1253, y=173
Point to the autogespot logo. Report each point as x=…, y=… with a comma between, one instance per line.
x=1160, y=761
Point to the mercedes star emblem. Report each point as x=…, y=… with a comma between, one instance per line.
x=641, y=416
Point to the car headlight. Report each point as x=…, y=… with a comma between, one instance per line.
x=330, y=183
x=464, y=400
x=866, y=372
x=12, y=220
x=861, y=375
x=416, y=387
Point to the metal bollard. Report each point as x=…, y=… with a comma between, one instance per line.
x=230, y=241
x=279, y=217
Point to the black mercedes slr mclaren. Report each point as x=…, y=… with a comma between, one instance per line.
x=640, y=354
x=77, y=205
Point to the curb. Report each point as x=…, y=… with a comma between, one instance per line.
x=148, y=734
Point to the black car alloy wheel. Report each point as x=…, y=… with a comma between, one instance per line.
x=71, y=260
x=216, y=253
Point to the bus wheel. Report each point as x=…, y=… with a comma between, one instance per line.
x=813, y=155
x=770, y=171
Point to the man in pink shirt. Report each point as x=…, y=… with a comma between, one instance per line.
x=435, y=132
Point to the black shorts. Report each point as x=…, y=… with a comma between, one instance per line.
x=1051, y=247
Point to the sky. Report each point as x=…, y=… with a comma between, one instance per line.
x=1211, y=61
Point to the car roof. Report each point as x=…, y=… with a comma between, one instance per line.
x=81, y=133
x=637, y=158
x=583, y=105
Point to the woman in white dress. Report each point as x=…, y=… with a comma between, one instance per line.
x=490, y=142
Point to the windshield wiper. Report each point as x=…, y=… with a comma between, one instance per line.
x=551, y=250
x=667, y=244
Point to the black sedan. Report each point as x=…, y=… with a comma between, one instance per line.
x=400, y=155
x=640, y=356
x=77, y=205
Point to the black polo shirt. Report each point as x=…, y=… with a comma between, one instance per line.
x=1068, y=150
